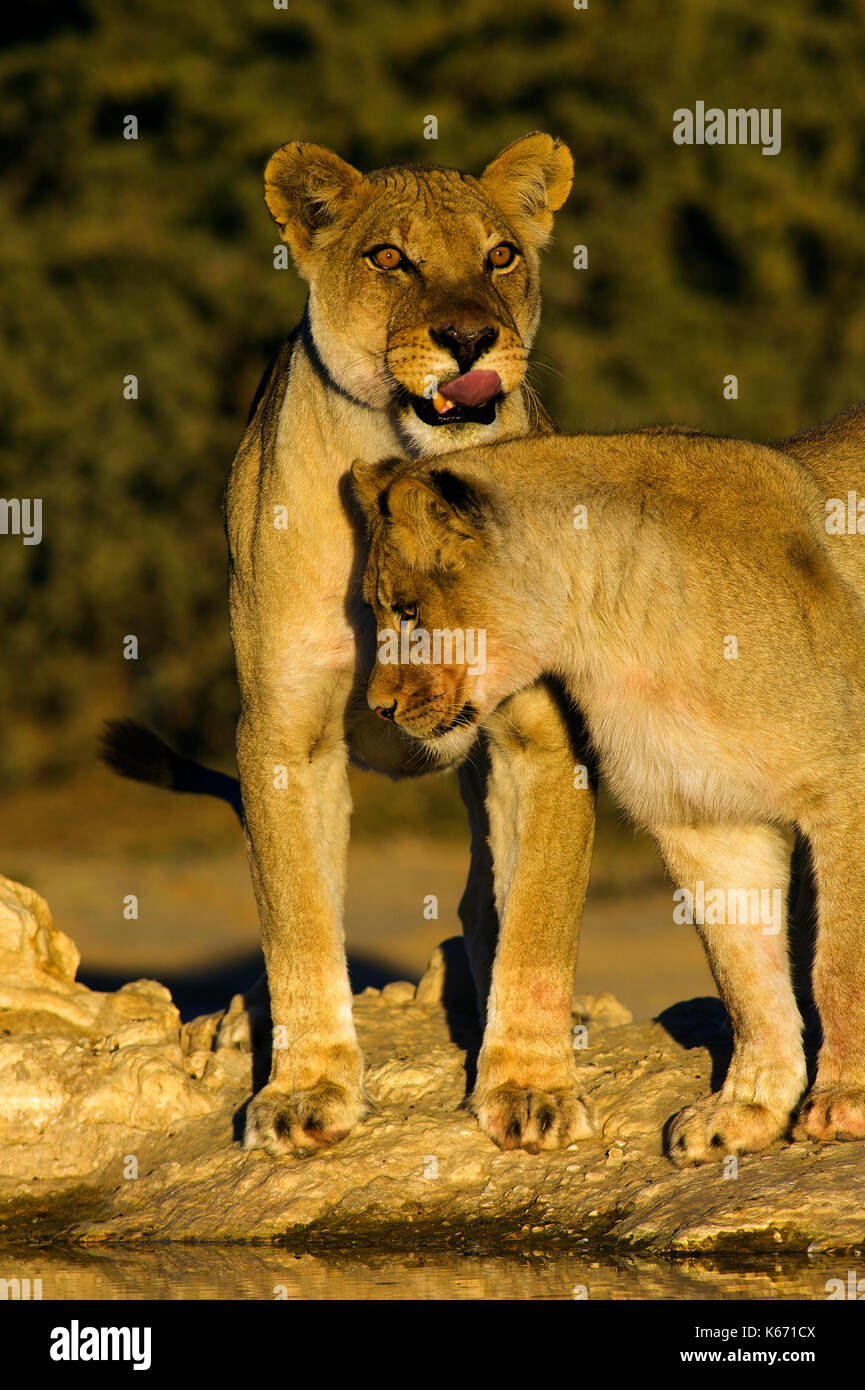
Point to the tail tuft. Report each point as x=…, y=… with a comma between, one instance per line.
x=137, y=753
x=142, y=756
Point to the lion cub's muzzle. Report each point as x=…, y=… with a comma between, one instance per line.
x=427, y=712
x=430, y=721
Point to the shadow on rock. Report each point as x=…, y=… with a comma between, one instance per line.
x=205, y=991
x=702, y=1023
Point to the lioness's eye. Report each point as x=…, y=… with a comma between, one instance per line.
x=386, y=257
x=407, y=611
x=502, y=255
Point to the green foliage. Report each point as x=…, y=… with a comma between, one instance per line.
x=154, y=257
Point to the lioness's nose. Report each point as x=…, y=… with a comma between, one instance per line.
x=386, y=711
x=466, y=342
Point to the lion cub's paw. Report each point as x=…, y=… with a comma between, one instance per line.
x=838, y=1112
x=301, y=1122
x=711, y=1130
x=519, y=1117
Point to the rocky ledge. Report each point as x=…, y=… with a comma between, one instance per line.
x=118, y=1122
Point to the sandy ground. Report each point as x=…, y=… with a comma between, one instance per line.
x=87, y=846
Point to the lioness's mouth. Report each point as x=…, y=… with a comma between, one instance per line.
x=470, y=398
x=458, y=415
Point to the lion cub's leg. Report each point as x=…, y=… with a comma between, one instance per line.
x=835, y=1106
x=748, y=958
x=541, y=833
x=297, y=804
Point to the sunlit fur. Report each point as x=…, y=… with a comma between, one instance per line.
x=304, y=642
x=713, y=634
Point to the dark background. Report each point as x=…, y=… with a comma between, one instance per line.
x=155, y=257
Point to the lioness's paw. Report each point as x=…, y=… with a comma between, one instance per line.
x=519, y=1117
x=301, y=1122
x=711, y=1130
x=834, y=1113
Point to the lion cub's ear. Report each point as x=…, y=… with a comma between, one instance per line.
x=435, y=519
x=307, y=189
x=529, y=181
x=369, y=484
x=438, y=520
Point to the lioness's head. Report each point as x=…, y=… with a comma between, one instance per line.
x=453, y=640
x=423, y=282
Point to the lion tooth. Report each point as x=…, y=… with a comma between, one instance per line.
x=441, y=403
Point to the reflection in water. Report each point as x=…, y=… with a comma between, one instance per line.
x=268, y=1272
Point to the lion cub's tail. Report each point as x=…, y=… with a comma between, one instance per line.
x=142, y=756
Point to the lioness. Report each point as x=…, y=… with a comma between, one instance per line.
x=423, y=304
x=713, y=635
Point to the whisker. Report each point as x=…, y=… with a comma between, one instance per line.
x=546, y=367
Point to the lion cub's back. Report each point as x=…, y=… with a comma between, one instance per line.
x=833, y=455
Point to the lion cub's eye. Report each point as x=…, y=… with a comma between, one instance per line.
x=502, y=256
x=407, y=611
x=386, y=257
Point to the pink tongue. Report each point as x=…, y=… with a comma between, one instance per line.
x=473, y=388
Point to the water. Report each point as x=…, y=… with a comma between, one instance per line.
x=262, y=1272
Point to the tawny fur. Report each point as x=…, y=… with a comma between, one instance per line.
x=304, y=644
x=712, y=632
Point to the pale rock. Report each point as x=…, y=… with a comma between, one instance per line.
x=399, y=992
x=603, y=1008
x=83, y=1074
x=91, y=1080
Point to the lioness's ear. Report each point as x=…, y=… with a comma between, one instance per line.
x=439, y=518
x=369, y=483
x=307, y=189
x=530, y=180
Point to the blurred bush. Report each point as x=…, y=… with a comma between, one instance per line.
x=154, y=257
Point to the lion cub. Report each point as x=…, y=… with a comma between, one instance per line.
x=686, y=592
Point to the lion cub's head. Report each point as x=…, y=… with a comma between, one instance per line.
x=424, y=295
x=452, y=638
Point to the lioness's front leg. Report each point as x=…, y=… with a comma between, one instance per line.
x=749, y=865
x=293, y=773
x=541, y=834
